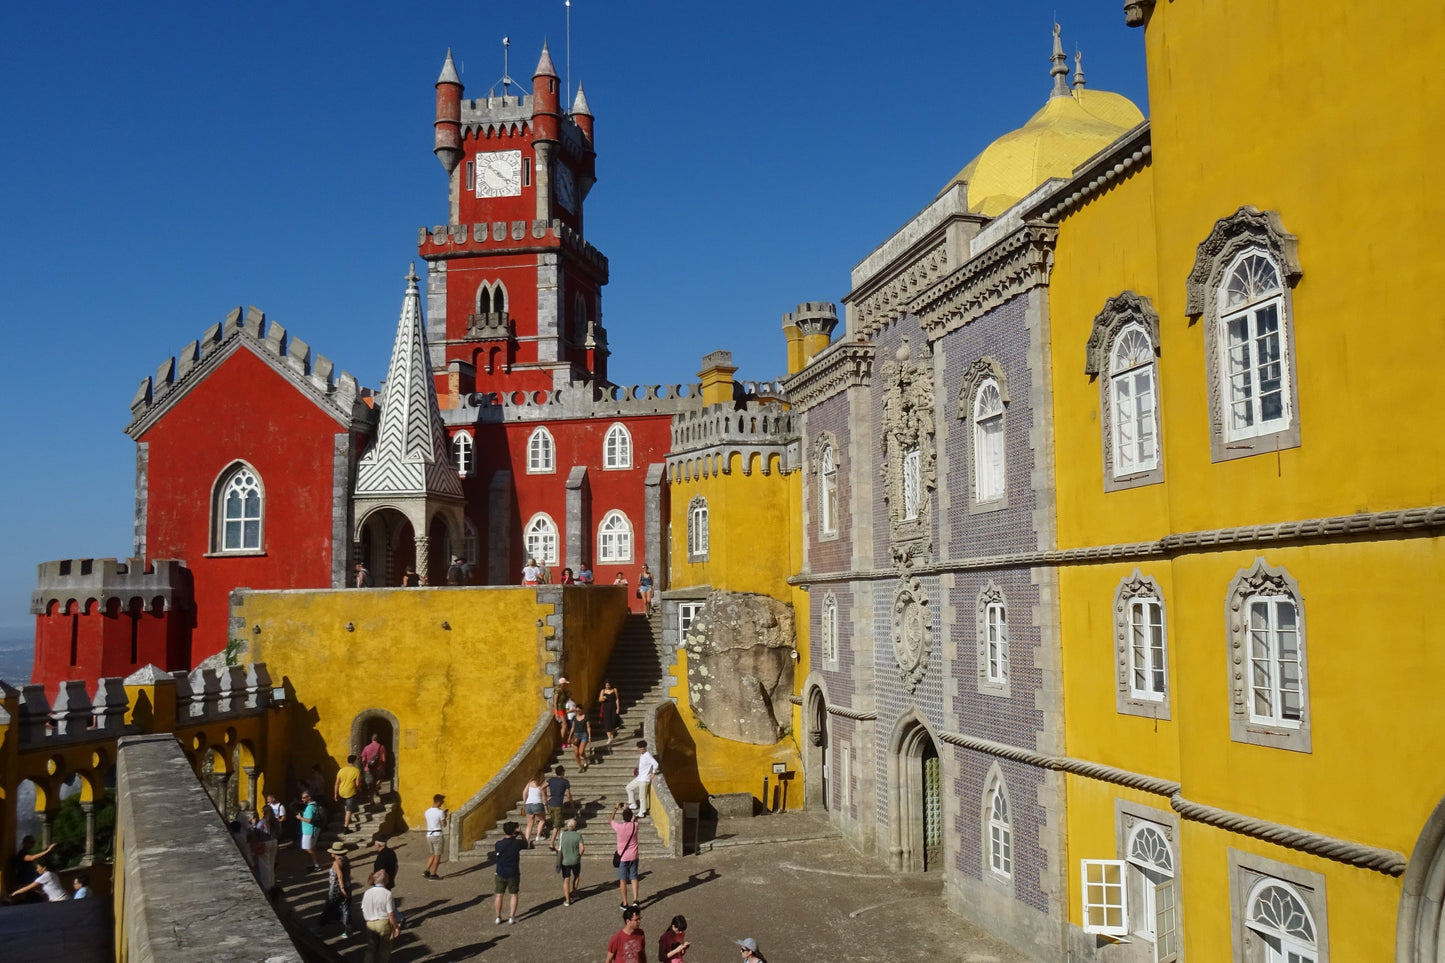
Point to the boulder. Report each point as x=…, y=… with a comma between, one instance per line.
x=740, y=666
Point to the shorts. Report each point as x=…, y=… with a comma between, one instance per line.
x=308, y=841
x=434, y=844
x=507, y=884
x=554, y=815
x=572, y=872
x=534, y=809
x=349, y=803
x=580, y=735
x=627, y=870
x=368, y=778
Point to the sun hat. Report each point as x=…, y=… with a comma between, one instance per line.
x=749, y=944
x=338, y=849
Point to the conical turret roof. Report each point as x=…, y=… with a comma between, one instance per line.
x=544, y=66
x=579, y=105
x=449, y=71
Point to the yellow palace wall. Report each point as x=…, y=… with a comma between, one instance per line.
x=754, y=544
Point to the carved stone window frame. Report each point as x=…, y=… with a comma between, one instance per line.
x=828, y=631
x=983, y=370
x=1137, y=586
x=1263, y=579
x=824, y=441
x=1246, y=229
x=1124, y=309
x=908, y=424
x=991, y=595
x=698, y=536
x=1128, y=817
x=1246, y=872
x=994, y=782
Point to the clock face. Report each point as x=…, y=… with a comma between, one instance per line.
x=566, y=187
x=499, y=174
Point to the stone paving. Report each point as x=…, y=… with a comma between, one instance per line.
x=787, y=881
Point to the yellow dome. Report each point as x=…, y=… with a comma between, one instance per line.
x=1067, y=131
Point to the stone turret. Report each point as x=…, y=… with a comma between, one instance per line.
x=582, y=114
x=449, y=116
x=813, y=322
x=546, y=128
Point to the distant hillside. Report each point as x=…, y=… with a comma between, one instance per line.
x=16, y=655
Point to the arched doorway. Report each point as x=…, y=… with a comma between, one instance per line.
x=379, y=722
x=916, y=781
x=440, y=550
x=1420, y=929
x=818, y=793
x=388, y=546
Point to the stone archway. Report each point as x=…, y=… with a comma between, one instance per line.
x=915, y=787
x=1420, y=929
x=383, y=723
x=816, y=760
x=387, y=546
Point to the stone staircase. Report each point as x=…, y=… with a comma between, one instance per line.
x=371, y=817
x=636, y=670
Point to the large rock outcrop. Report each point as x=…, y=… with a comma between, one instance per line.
x=740, y=666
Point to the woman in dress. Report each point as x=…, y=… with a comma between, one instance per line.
x=534, y=807
x=338, y=889
x=610, y=707
x=644, y=588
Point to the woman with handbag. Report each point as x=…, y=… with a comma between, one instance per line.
x=625, y=858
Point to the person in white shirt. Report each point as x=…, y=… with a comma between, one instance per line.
x=47, y=882
x=379, y=911
x=637, y=789
x=436, y=821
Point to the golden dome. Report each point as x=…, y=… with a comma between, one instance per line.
x=1072, y=127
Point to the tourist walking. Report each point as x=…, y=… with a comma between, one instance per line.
x=749, y=947
x=673, y=944
x=507, y=856
x=629, y=944
x=265, y=840
x=385, y=859
x=310, y=828
x=559, y=791
x=609, y=705
x=363, y=576
x=338, y=890
x=638, y=789
x=644, y=588
x=562, y=708
x=436, y=824
x=382, y=926
x=373, y=765
x=625, y=858
x=581, y=736
x=570, y=848
x=534, y=806
x=347, y=790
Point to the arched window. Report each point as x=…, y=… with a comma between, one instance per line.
x=492, y=299
x=1278, y=915
x=1142, y=655
x=239, y=510
x=1152, y=895
x=614, y=538
x=617, y=448
x=991, y=609
x=829, y=629
x=988, y=442
x=1270, y=697
x=1000, y=831
x=828, y=492
x=1253, y=348
x=1133, y=398
x=541, y=453
x=697, y=530
x=462, y=453
x=541, y=539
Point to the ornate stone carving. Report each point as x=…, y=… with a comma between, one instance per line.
x=991, y=594
x=912, y=633
x=824, y=440
x=978, y=371
x=1136, y=12
x=908, y=426
x=1263, y=579
x=1136, y=586
x=1020, y=262
x=1119, y=311
x=890, y=302
x=840, y=366
x=1245, y=228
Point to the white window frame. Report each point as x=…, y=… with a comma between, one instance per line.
x=542, y=539
x=828, y=492
x=912, y=483
x=617, y=448
x=1131, y=379
x=1267, y=657
x=541, y=453
x=995, y=618
x=1133, y=599
x=614, y=539
x=998, y=829
x=697, y=530
x=1255, y=659
x=1249, y=876
x=828, y=629
x=990, y=455
x=1104, y=893
x=463, y=455
x=1154, y=883
x=1240, y=370
x=245, y=480
x=1282, y=943
x=686, y=612
x=1144, y=618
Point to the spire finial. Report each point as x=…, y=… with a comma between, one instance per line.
x=1060, y=69
x=1078, y=69
x=411, y=276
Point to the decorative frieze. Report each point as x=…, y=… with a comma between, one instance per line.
x=1019, y=263
x=843, y=365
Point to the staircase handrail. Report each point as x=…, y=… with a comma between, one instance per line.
x=499, y=796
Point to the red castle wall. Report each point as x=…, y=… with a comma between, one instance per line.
x=80, y=639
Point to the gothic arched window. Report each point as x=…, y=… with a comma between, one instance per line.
x=462, y=453
x=614, y=538
x=541, y=453
x=617, y=448
x=239, y=510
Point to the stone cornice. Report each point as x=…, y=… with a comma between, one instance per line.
x=845, y=364
x=1136, y=12
x=1119, y=161
x=1018, y=263
x=1334, y=528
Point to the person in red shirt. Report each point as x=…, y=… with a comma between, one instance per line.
x=629, y=944
x=673, y=944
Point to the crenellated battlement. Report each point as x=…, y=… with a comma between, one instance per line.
x=460, y=240
x=813, y=317
x=316, y=372
x=761, y=433
x=583, y=400
x=83, y=581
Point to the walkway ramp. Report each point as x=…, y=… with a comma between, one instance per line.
x=76, y=931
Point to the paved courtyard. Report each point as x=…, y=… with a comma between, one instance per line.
x=787, y=881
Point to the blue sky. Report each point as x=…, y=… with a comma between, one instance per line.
x=162, y=167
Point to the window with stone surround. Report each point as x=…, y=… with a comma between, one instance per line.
x=1269, y=673
x=238, y=511
x=1241, y=285
x=982, y=402
x=912, y=484
x=1141, y=654
x=462, y=453
x=492, y=299
x=993, y=644
x=614, y=538
x=686, y=612
x=1123, y=354
x=829, y=630
x=617, y=448
x=541, y=453
x=828, y=492
x=697, y=533
x=541, y=539
x=1153, y=892
x=999, y=828
x=1277, y=911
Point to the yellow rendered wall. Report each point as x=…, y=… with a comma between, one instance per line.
x=465, y=697
x=1328, y=114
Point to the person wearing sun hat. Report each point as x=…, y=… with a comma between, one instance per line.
x=338, y=889
x=749, y=948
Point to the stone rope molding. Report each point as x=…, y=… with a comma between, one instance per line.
x=1309, y=529
x=855, y=714
x=1374, y=858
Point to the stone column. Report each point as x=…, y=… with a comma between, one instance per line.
x=45, y=824
x=423, y=557
x=89, y=809
x=250, y=772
